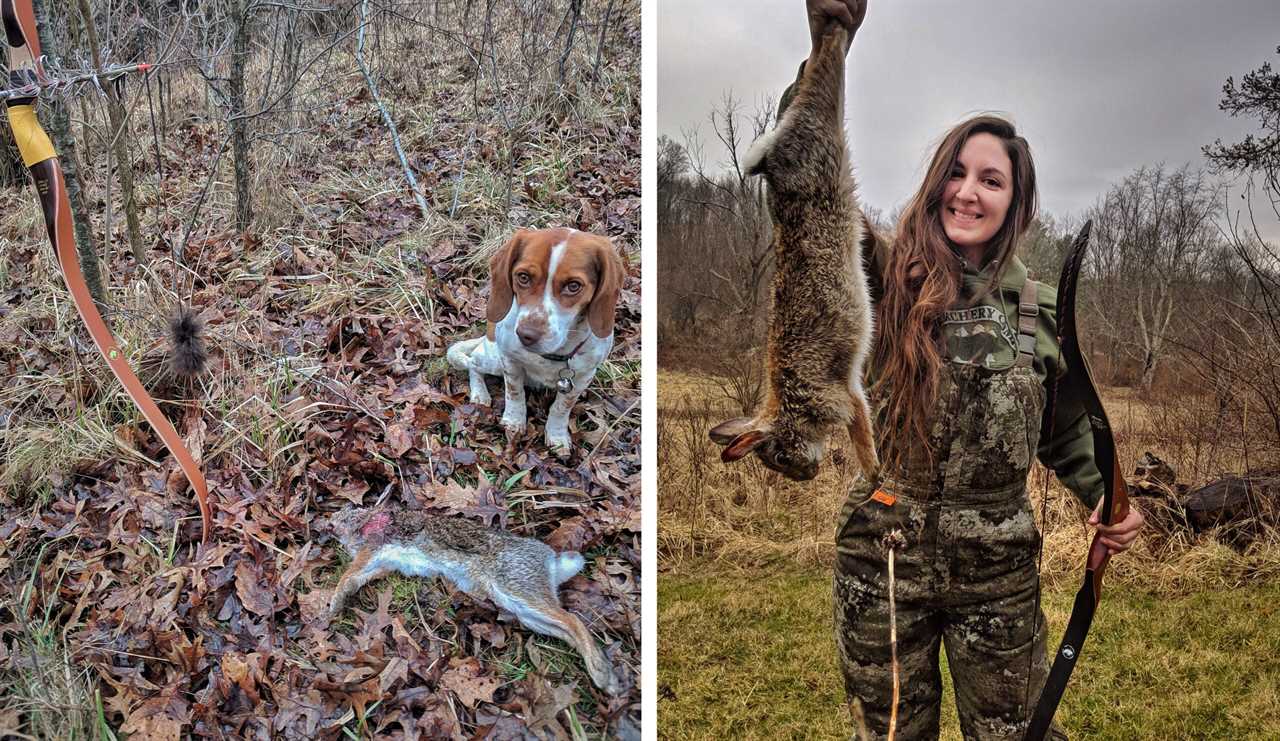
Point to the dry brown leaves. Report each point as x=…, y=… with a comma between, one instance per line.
x=226, y=640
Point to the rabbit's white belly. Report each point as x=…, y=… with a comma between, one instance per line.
x=531, y=616
x=412, y=561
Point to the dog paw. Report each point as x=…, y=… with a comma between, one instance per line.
x=513, y=427
x=559, y=443
x=480, y=397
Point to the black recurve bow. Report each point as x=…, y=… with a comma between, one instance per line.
x=1115, y=498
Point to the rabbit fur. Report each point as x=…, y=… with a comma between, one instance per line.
x=520, y=575
x=821, y=326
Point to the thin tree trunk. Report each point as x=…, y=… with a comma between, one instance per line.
x=386, y=115
x=237, y=122
x=65, y=143
x=163, y=86
x=608, y=12
x=575, y=9
x=119, y=143
x=292, y=57
x=11, y=168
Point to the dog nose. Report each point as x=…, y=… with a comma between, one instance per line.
x=528, y=335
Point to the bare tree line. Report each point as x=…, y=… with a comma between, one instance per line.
x=1180, y=295
x=265, y=70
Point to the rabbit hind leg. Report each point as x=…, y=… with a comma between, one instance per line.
x=557, y=622
x=861, y=434
x=361, y=571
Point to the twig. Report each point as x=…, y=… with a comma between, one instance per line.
x=386, y=116
x=892, y=541
x=609, y=430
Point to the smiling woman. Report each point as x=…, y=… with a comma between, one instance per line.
x=978, y=194
x=938, y=545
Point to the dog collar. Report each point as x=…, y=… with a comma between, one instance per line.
x=564, y=358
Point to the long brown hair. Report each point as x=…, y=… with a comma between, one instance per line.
x=922, y=279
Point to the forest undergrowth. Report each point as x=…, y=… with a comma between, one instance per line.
x=327, y=323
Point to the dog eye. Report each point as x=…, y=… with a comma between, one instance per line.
x=523, y=280
x=572, y=287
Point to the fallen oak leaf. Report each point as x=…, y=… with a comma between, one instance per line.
x=159, y=718
x=543, y=703
x=314, y=606
x=399, y=439
x=296, y=566
x=454, y=497
x=489, y=632
x=465, y=678
x=572, y=534
x=395, y=672
x=253, y=596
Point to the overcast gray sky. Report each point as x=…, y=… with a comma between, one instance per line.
x=1097, y=88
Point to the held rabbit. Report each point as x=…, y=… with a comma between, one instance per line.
x=820, y=330
x=520, y=575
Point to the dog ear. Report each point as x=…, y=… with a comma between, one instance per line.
x=500, y=293
x=610, y=272
x=744, y=444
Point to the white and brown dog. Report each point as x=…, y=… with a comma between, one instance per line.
x=552, y=296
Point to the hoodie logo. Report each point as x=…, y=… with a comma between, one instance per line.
x=980, y=335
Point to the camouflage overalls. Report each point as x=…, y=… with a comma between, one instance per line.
x=966, y=577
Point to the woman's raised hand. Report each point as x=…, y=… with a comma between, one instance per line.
x=848, y=12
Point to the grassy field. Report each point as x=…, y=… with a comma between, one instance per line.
x=749, y=654
x=1182, y=647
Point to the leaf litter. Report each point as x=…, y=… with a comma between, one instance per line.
x=328, y=390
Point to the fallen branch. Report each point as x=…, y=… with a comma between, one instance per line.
x=386, y=116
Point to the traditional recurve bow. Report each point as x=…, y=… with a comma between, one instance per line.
x=1115, y=498
x=38, y=154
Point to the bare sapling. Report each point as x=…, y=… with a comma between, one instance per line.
x=821, y=325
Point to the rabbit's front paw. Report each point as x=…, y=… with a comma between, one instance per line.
x=604, y=677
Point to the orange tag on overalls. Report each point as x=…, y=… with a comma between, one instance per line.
x=884, y=497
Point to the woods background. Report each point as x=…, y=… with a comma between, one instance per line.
x=1179, y=313
x=1180, y=296
x=323, y=183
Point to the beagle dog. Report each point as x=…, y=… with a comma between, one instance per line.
x=552, y=296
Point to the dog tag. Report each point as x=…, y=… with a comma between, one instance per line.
x=565, y=383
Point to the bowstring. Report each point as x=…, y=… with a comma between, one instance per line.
x=1044, y=509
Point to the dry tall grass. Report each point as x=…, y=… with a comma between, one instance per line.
x=499, y=141
x=745, y=515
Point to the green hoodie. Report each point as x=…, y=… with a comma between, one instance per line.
x=995, y=316
x=985, y=333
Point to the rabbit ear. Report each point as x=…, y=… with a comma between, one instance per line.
x=744, y=444
x=500, y=293
x=725, y=432
x=610, y=273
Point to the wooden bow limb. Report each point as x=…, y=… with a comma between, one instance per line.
x=42, y=159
